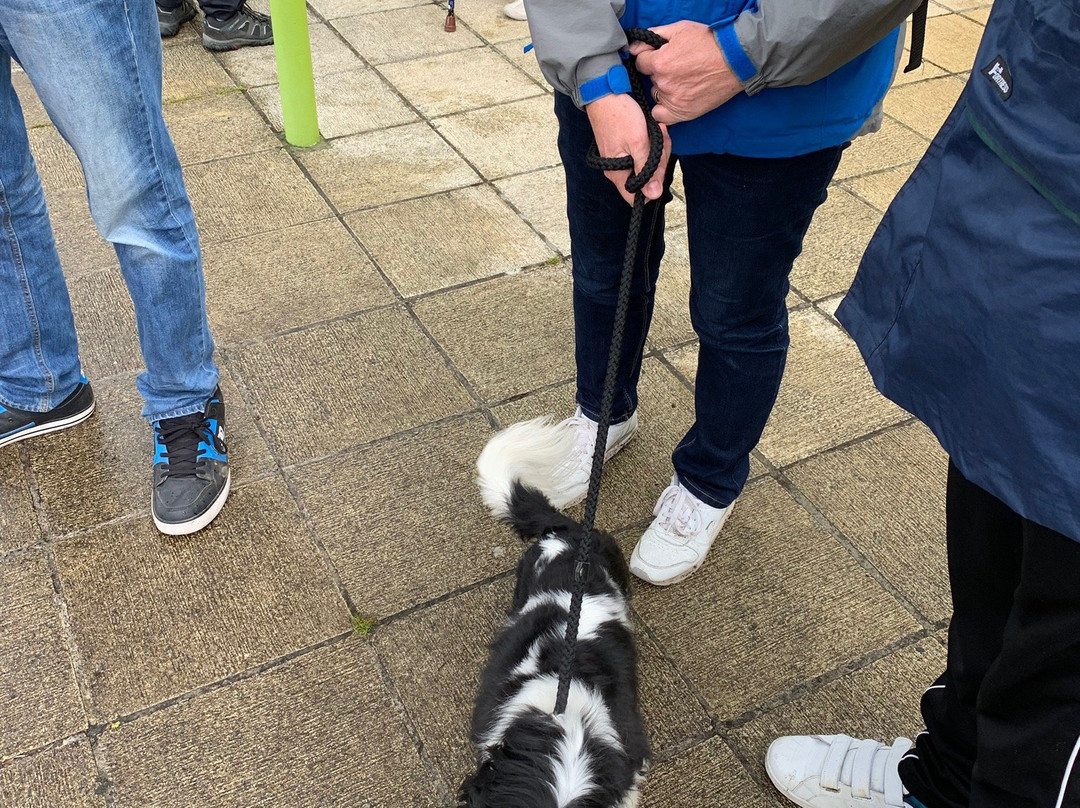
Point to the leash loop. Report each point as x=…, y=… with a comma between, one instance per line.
x=634, y=184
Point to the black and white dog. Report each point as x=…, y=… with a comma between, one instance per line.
x=595, y=754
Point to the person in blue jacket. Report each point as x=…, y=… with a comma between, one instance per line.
x=967, y=311
x=759, y=98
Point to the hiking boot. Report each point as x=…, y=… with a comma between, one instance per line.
x=242, y=29
x=17, y=425
x=573, y=473
x=191, y=469
x=675, y=544
x=837, y=771
x=170, y=19
x=515, y=10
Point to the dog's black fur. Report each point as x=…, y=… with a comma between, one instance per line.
x=515, y=772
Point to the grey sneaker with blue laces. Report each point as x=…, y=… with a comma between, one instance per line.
x=17, y=425
x=191, y=469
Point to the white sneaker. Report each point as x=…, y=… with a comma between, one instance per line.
x=573, y=473
x=836, y=771
x=675, y=544
x=515, y=10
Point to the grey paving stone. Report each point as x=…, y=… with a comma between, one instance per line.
x=826, y=398
x=57, y=164
x=507, y=139
x=510, y=335
x=378, y=168
x=39, y=698
x=924, y=106
x=105, y=322
x=155, y=616
x=288, y=278
x=251, y=194
x=887, y=494
x=349, y=382
x=415, y=529
x=435, y=657
x=256, y=67
x=487, y=19
x=515, y=51
x=894, y=145
x=778, y=602
x=18, y=522
x=834, y=244
x=331, y=9
x=63, y=777
x=879, y=189
x=34, y=113
x=455, y=82
x=78, y=242
x=348, y=102
x=100, y=470
x=319, y=730
x=190, y=73
x=377, y=37
x=705, y=776
x=952, y=40
x=440, y=241
x=217, y=126
x=541, y=198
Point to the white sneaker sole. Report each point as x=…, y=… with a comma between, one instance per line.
x=612, y=450
x=200, y=521
x=45, y=429
x=787, y=795
x=682, y=576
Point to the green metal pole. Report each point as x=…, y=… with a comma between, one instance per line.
x=292, y=48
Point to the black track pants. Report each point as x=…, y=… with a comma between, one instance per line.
x=1003, y=721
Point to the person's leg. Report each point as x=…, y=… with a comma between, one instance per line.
x=985, y=548
x=39, y=356
x=599, y=219
x=746, y=219
x=136, y=191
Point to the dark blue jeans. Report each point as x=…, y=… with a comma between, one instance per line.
x=746, y=218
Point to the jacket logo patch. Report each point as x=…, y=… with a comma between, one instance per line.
x=998, y=73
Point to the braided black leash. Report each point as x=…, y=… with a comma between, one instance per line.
x=634, y=185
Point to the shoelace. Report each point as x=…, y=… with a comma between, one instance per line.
x=678, y=511
x=258, y=16
x=182, y=437
x=865, y=767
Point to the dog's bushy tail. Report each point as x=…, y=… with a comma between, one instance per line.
x=518, y=470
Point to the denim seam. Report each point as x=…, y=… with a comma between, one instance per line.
x=711, y=501
x=28, y=299
x=179, y=412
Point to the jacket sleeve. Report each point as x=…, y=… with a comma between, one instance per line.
x=576, y=41
x=783, y=43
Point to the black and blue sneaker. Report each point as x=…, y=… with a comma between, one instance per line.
x=191, y=469
x=17, y=425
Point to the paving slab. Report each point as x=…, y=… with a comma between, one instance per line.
x=486, y=18
x=880, y=700
x=514, y=50
x=57, y=164
x=459, y=81
x=834, y=245
x=924, y=106
x=952, y=40
x=105, y=322
x=331, y=9
x=378, y=37
x=509, y=335
x=33, y=111
x=18, y=521
x=506, y=139
x=352, y=101
x=320, y=730
x=100, y=470
x=251, y=194
x=63, y=777
x=39, y=698
x=256, y=67
x=706, y=776
x=435, y=657
x=778, y=601
x=78, y=242
x=217, y=126
x=288, y=278
x=439, y=241
x=156, y=616
x=894, y=145
x=881, y=188
x=826, y=397
x=378, y=168
x=887, y=494
x=358, y=379
x=541, y=198
x=189, y=73
x=415, y=528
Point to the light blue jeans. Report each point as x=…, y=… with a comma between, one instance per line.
x=96, y=66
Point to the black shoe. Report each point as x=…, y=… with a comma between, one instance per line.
x=244, y=28
x=191, y=469
x=17, y=425
x=169, y=20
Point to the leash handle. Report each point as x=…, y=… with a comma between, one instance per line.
x=634, y=184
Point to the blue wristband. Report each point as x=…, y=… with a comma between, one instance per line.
x=616, y=80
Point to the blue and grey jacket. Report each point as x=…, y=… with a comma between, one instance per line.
x=813, y=71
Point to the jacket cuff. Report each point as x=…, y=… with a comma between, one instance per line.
x=738, y=60
x=605, y=74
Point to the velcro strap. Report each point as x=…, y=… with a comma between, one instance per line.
x=862, y=771
x=834, y=762
x=894, y=787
